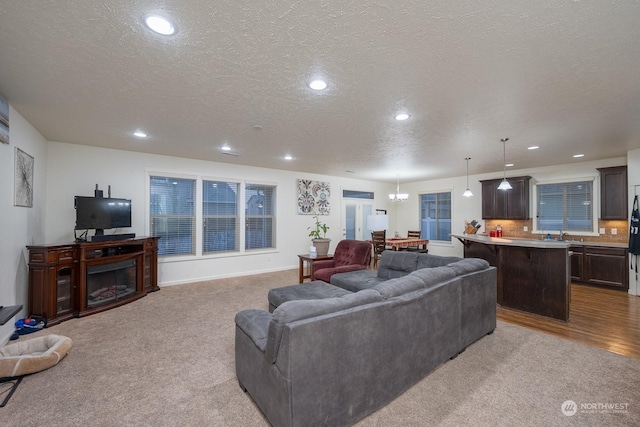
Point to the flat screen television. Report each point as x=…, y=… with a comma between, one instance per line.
x=100, y=213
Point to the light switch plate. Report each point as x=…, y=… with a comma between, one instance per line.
x=614, y=231
x=525, y=228
x=602, y=231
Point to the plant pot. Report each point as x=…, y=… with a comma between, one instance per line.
x=322, y=246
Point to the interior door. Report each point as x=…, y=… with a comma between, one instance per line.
x=354, y=218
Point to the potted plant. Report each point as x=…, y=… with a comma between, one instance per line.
x=319, y=237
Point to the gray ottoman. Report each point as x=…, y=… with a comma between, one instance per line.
x=310, y=290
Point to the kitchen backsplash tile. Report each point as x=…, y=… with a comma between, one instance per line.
x=515, y=228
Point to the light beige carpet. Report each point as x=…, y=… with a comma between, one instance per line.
x=168, y=360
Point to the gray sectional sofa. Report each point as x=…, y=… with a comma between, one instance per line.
x=330, y=354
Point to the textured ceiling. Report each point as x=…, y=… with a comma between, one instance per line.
x=560, y=74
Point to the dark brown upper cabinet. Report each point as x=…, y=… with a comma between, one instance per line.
x=613, y=192
x=506, y=204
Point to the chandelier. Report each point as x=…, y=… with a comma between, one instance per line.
x=398, y=196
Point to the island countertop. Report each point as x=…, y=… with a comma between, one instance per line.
x=535, y=243
x=511, y=241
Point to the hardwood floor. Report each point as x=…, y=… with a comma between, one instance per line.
x=603, y=318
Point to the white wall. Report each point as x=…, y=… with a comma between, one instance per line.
x=76, y=169
x=19, y=226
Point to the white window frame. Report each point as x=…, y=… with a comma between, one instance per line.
x=595, y=205
x=199, y=215
x=196, y=207
x=239, y=216
x=448, y=242
x=244, y=216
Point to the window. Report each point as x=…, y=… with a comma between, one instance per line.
x=565, y=206
x=352, y=194
x=172, y=215
x=219, y=216
x=435, y=216
x=260, y=221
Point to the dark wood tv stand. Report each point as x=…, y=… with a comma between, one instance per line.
x=63, y=277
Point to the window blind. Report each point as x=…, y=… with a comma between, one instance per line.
x=260, y=216
x=435, y=216
x=565, y=206
x=219, y=216
x=172, y=214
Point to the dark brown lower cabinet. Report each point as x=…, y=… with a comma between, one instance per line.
x=601, y=266
x=531, y=279
x=577, y=263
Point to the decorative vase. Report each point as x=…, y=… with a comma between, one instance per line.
x=322, y=246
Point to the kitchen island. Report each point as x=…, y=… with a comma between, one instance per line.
x=533, y=275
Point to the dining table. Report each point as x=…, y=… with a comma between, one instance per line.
x=397, y=243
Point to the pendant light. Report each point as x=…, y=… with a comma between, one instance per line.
x=467, y=192
x=398, y=196
x=504, y=184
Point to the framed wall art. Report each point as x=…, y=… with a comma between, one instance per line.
x=313, y=197
x=23, y=181
x=4, y=121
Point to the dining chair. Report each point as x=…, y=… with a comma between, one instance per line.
x=379, y=241
x=415, y=235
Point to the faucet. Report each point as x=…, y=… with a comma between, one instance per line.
x=562, y=235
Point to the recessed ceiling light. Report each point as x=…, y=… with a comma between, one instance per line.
x=318, y=85
x=533, y=147
x=509, y=165
x=402, y=116
x=140, y=134
x=225, y=147
x=159, y=24
x=578, y=155
x=288, y=157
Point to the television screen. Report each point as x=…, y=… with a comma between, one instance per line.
x=102, y=213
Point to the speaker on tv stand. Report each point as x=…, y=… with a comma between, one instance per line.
x=110, y=237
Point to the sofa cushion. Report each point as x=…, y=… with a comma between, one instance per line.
x=355, y=281
x=468, y=265
x=398, y=286
x=326, y=273
x=433, y=276
x=397, y=264
x=429, y=260
x=303, y=309
x=310, y=290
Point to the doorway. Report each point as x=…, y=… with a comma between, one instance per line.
x=354, y=218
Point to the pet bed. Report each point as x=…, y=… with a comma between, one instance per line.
x=30, y=356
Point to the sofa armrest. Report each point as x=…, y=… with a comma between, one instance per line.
x=325, y=263
x=255, y=324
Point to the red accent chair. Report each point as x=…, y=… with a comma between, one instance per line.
x=350, y=255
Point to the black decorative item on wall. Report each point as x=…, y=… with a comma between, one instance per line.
x=4, y=120
x=23, y=191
